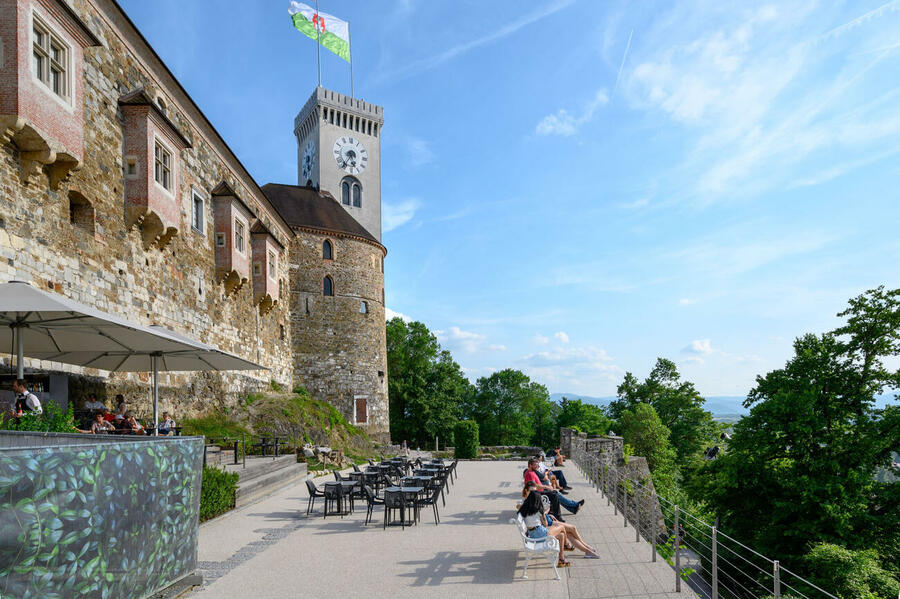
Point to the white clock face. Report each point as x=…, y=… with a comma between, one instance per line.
x=350, y=155
x=308, y=161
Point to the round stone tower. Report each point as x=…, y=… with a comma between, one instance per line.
x=337, y=306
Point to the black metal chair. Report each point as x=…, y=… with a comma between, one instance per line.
x=371, y=463
x=432, y=501
x=372, y=499
x=394, y=500
x=439, y=480
x=334, y=497
x=313, y=493
x=338, y=477
x=356, y=468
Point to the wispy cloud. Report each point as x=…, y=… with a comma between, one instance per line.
x=540, y=339
x=585, y=369
x=431, y=62
x=467, y=341
x=563, y=123
x=701, y=347
x=390, y=315
x=395, y=215
x=561, y=337
x=419, y=151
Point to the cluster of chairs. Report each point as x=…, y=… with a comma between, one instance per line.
x=386, y=478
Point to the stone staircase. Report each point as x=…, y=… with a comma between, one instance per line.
x=263, y=476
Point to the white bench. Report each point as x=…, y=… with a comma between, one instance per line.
x=547, y=546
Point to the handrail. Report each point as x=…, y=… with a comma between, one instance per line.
x=716, y=575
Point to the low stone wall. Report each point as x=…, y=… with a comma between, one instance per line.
x=627, y=483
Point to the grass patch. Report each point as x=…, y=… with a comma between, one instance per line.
x=215, y=424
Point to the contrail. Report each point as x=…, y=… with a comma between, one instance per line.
x=622, y=66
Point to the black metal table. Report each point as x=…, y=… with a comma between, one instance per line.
x=407, y=492
x=346, y=489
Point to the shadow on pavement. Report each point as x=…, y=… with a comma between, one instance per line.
x=453, y=567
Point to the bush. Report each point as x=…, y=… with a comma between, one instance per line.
x=214, y=425
x=52, y=420
x=466, y=437
x=217, y=492
x=850, y=574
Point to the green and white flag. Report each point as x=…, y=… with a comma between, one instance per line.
x=330, y=31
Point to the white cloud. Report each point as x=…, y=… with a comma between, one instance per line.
x=390, y=314
x=686, y=301
x=563, y=123
x=588, y=370
x=397, y=215
x=561, y=336
x=701, y=347
x=420, y=152
x=541, y=340
x=470, y=342
x=771, y=107
x=497, y=33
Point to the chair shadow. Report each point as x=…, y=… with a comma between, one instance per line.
x=453, y=567
x=492, y=495
x=475, y=517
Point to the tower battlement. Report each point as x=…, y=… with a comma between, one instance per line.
x=338, y=101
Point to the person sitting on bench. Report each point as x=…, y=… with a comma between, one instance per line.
x=556, y=499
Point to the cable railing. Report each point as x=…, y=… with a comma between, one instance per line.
x=714, y=564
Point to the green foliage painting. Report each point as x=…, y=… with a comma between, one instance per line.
x=98, y=519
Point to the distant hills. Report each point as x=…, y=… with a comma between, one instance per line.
x=719, y=405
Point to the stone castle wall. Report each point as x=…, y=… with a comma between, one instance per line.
x=339, y=351
x=104, y=263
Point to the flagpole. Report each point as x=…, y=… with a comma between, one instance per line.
x=316, y=22
x=350, y=48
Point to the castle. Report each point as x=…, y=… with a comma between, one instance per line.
x=117, y=192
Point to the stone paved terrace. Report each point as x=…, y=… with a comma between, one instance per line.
x=271, y=549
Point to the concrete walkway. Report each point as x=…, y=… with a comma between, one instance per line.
x=271, y=549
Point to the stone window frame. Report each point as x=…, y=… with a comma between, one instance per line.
x=42, y=21
x=325, y=289
x=158, y=141
x=220, y=239
x=363, y=307
x=332, y=246
x=132, y=160
x=353, y=185
x=355, y=398
x=257, y=269
x=198, y=227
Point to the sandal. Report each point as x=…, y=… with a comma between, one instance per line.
x=569, y=548
x=563, y=563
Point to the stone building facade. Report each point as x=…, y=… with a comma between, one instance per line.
x=116, y=191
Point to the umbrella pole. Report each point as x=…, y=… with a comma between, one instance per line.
x=155, y=395
x=20, y=354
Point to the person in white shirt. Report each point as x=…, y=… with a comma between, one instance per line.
x=92, y=403
x=121, y=408
x=168, y=425
x=26, y=402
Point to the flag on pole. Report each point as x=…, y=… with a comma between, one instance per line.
x=332, y=32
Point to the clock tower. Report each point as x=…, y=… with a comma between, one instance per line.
x=339, y=151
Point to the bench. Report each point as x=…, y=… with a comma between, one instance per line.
x=547, y=546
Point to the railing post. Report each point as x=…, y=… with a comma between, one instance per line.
x=616, y=498
x=625, y=502
x=677, y=554
x=655, y=530
x=715, y=564
x=637, y=516
x=777, y=575
x=235, y=452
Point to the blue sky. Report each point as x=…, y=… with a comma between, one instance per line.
x=575, y=188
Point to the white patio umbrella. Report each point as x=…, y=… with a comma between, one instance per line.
x=47, y=326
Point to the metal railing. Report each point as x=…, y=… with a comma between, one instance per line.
x=714, y=564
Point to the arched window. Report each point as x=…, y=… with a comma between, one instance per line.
x=363, y=307
x=327, y=250
x=328, y=286
x=351, y=192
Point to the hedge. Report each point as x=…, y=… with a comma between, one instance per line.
x=217, y=492
x=466, y=437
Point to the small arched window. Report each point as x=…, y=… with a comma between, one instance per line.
x=327, y=286
x=327, y=250
x=351, y=192
x=363, y=307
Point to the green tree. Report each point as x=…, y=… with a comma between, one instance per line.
x=678, y=404
x=645, y=432
x=504, y=405
x=425, y=386
x=850, y=574
x=587, y=418
x=800, y=467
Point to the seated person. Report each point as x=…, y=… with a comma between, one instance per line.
x=26, y=402
x=557, y=475
x=531, y=475
x=99, y=425
x=131, y=424
x=121, y=408
x=556, y=454
x=573, y=539
x=168, y=425
x=93, y=405
x=532, y=512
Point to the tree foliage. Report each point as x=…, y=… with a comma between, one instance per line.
x=425, y=386
x=585, y=417
x=678, y=404
x=850, y=574
x=466, y=439
x=645, y=432
x=505, y=404
x=800, y=467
